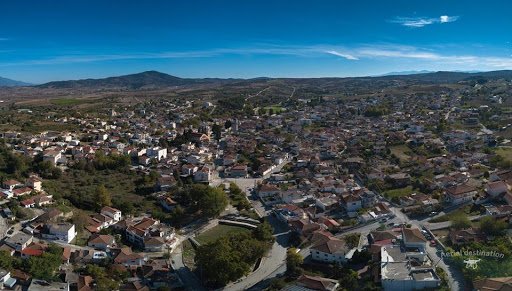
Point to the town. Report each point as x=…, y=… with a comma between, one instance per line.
x=298, y=191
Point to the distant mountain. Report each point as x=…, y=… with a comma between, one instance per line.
x=155, y=80
x=4, y=82
x=144, y=80
x=403, y=73
x=450, y=77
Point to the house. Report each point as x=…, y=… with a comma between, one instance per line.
x=460, y=194
x=332, y=250
x=101, y=241
x=33, y=250
x=326, y=203
x=413, y=238
x=188, y=170
x=134, y=286
x=5, y=279
x=398, y=273
x=149, y=234
x=127, y=258
x=303, y=226
x=352, y=203
x=203, y=175
x=165, y=182
x=400, y=179
x=237, y=171
x=167, y=202
x=111, y=212
x=35, y=183
x=464, y=236
x=64, y=232
x=53, y=156
x=42, y=285
x=8, y=213
x=316, y=283
x=267, y=190
x=154, y=244
x=84, y=283
x=19, y=241
x=21, y=191
x=496, y=188
x=11, y=184
x=157, y=153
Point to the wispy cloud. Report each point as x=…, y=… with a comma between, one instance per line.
x=3, y=39
x=417, y=22
x=382, y=52
x=343, y=55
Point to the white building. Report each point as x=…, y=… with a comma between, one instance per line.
x=111, y=212
x=203, y=175
x=413, y=238
x=64, y=232
x=157, y=153
x=330, y=251
x=398, y=274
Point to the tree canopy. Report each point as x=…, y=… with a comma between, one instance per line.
x=229, y=258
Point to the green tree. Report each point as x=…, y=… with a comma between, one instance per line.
x=294, y=262
x=102, y=197
x=491, y=226
x=348, y=281
x=210, y=201
x=460, y=221
x=217, y=131
x=352, y=240
x=264, y=232
x=228, y=258
x=45, y=266
x=6, y=260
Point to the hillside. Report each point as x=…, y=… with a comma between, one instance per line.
x=144, y=80
x=4, y=82
x=154, y=79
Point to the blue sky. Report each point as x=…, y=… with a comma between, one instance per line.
x=56, y=40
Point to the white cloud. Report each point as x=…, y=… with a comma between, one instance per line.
x=446, y=18
x=421, y=56
x=343, y=55
x=398, y=52
x=417, y=22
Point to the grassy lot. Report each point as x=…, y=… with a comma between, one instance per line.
x=275, y=108
x=218, y=232
x=399, y=192
x=79, y=188
x=68, y=101
x=466, y=210
x=189, y=254
x=505, y=153
x=37, y=127
x=402, y=152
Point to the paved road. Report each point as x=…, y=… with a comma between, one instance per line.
x=188, y=278
x=275, y=258
x=454, y=275
x=4, y=227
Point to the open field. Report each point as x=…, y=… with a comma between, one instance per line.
x=505, y=153
x=402, y=152
x=399, y=192
x=218, y=232
x=467, y=210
